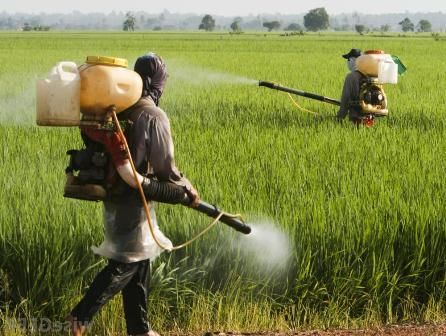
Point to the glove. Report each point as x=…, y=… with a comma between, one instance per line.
x=164, y=192
x=113, y=142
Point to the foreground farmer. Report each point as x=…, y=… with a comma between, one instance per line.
x=128, y=244
x=350, y=91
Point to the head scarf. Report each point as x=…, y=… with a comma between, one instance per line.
x=153, y=72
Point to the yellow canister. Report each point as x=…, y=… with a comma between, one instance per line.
x=368, y=64
x=106, y=81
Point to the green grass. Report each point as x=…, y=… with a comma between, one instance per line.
x=363, y=208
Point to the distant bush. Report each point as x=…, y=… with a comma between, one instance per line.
x=438, y=37
x=294, y=33
x=28, y=27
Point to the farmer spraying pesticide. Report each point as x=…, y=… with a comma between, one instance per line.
x=128, y=245
x=122, y=170
x=363, y=97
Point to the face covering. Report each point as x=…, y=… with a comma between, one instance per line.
x=153, y=72
x=351, y=63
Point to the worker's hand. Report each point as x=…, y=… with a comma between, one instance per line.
x=193, y=195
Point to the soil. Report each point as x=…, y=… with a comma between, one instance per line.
x=395, y=330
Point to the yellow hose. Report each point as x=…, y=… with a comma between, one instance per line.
x=300, y=107
x=296, y=104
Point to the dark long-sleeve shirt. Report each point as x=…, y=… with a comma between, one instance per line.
x=127, y=235
x=350, y=95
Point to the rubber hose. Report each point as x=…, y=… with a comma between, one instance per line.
x=164, y=192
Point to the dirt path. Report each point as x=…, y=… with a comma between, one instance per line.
x=410, y=330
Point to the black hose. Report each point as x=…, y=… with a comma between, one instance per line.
x=164, y=192
x=167, y=192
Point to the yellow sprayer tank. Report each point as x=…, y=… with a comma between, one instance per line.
x=57, y=96
x=376, y=63
x=106, y=81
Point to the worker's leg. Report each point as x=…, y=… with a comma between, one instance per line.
x=112, y=279
x=134, y=297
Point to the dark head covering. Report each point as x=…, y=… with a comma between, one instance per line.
x=153, y=72
x=352, y=53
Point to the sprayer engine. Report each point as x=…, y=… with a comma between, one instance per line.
x=372, y=98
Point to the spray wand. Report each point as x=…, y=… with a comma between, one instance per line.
x=277, y=87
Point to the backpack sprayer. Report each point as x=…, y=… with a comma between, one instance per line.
x=101, y=88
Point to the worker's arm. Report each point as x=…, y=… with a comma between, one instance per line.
x=161, y=155
x=345, y=98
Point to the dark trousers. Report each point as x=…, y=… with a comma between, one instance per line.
x=130, y=279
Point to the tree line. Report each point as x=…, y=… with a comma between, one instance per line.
x=315, y=20
x=318, y=19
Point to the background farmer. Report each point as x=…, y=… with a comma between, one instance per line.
x=350, y=91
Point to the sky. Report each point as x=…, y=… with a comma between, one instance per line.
x=224, y=7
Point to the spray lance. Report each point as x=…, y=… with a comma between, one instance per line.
x=166, y=192
x=277, y=87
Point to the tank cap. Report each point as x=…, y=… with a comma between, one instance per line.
x=374, y=52
x=104, y=60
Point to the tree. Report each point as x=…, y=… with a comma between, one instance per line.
x=271, y=25
x=207, y=23
x=129, y=23
x=27, y=27
x=407, y=25
x=293, y=27
x=384, y=28
x=235, y=26
x=424, y=26
x=316, y=19
x=360, y=29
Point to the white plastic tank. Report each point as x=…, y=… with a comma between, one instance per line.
x=58, y=96
x=387, y=72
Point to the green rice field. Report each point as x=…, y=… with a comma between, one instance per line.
x=362, y=209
